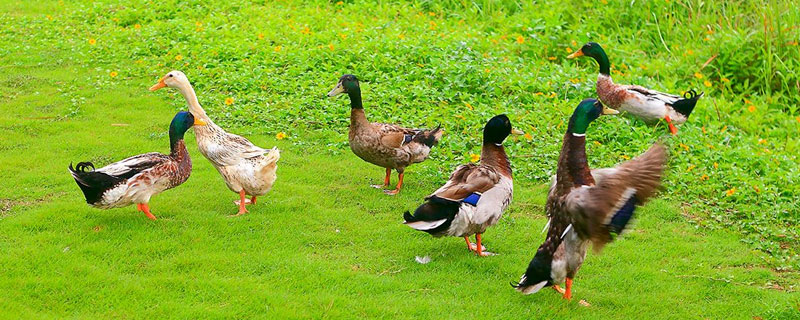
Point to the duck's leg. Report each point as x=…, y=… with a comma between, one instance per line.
x=143, y=207
x=672, y=128
x=568, y=292
x=253, y=200
x=471, y=246
x=480, y=248
x=385, y=180
x=242, y=201
x=558, y=289
x=399, y=185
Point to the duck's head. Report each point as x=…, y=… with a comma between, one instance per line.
x=590, y=49
x=181, y=123
x=173, y=79
x=347, y=83
x=497, y=129
x=586, y=112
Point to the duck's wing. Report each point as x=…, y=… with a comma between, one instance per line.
x=603, y=210
x=231, y=149
x=94, y=183
x=466, y=180
x=129, y=167
x=394, y=136
x=645, y=94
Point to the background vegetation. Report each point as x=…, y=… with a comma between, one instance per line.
x=74, y=80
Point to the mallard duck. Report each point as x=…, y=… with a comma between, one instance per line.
x=587, y=206
x=475, y=196
x=246, y=168
x=136, y=179
x=647, y=104
x=386, y=145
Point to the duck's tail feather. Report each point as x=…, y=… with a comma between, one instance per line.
x=92, y=183
x=433, y=216
x=686, y=105
x=431, y=137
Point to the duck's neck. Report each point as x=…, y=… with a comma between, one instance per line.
x=177, y=148
x=194, y=106
x=602, y=60
x=494, y=155
x=357, y=115
x=573, y=168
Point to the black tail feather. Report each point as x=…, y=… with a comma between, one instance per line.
x=408, y=217
x=92, y=183
x=429, y=138
x=686, y=105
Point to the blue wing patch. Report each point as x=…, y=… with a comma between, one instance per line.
x=472, y=199
x=407, y=138
x=622, y=216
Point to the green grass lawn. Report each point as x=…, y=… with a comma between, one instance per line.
x=721, y=240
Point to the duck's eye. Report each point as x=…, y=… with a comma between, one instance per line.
x=170, y=75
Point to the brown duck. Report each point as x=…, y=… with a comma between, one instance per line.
x=588, y=206
x=386, y=145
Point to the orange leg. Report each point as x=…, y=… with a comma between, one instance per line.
x=568, y=292
x=385, y=180
x=242, y=209
x=143, y=207
x=399, y=185
x=479, y=249
x=672, y=128
x=469, y=244
x=558, y=289
x=253, y=200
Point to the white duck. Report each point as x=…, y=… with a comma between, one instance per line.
x=246, y=168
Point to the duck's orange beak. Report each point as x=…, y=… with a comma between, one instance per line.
x=575, y=54
x=158, y=85
x=198, y=122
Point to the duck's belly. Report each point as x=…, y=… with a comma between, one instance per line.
x=382, y=157
x=138, y=189
x=476, y=219
x=649, y=111
x=568, y=257
x=249, y=175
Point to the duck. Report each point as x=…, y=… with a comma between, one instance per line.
x=385, y=145
x=136, y=179
x=247, y=169
x=588, y=207
x=646, y=104
x=475, y=196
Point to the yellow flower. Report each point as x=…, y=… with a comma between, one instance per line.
x=280, y=136
x=704, y=177
x=305, y=30
x=487, y=70
x=643, y=67
x=432, y=25
x=330, y=46
x=569, y=50
x=574, y=43
x=726, y=80
x=198, y=23
x=277, y=48
x=797, y=118
x=49, y=17
x=113, y=74
x=698, y=75
x=229, y=101
x=730, y=192
x=724, y=128
x=474, y=157
x=626, y=157
x=178, y=57
x=260, y=36
x=604, y=1
x=597, y=143
x=92, y=41
x=551, y=58
x=137, y=26
x=528, y=136
x=343, y=36
x=751, y=108
x=762, y=141
x=685, y=147
x=431, y=14
x=707, y=83
x=339, y=3
x=198, y=29
x=575, y=80
x=689, y=52
x=716, y=165
x=690, y=168
x=401, y=36
x=758, y=190
x=704, y=129
x=520, y=39
x=469, y=105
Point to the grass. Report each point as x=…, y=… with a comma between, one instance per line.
x=324, y=244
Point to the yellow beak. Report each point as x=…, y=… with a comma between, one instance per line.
x=607, y=110
x=158, y=85
x=517, y=132
x=198, y=122
x=575, y=54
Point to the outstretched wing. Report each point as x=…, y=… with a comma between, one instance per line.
x=596, y=212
